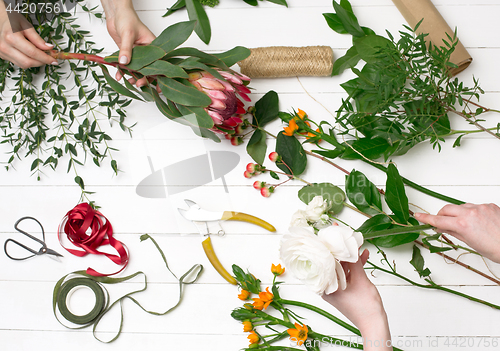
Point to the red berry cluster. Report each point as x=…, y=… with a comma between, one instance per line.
x=265, y=190
x=253, y=169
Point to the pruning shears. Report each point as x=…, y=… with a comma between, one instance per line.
x=201, y=217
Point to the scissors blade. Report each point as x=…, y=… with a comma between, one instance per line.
x=52, y=252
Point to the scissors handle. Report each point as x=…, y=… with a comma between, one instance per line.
x=240, y=216
x=28, y=234
x=23, y=246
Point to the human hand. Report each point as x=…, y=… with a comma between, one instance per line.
x=20, y=43
x=127, y=30
x=360, y=302
x=476, y=225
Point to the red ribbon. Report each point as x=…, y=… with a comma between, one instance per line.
x=76, y=224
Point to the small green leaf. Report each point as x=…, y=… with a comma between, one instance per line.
x=274, y=175
x=395, y=195
x=251, y=2
x=417, y=261
x=79, y=181
x=349, y=60
x=349, y=20
x=177, y=6
x=374, y=224
x=292, y=154
x=334, y=23
x=183, y=94
x=231, y=57
x=328, y=191
x=197, y=13
x=267, y=108
x=257, y=146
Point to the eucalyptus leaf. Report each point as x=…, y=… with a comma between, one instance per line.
x=182, y=94
x=174, y=35
x=333, y=194
x=197, y=13
x=164, y=68
x=177, y=6
x=231, y=57
x=292, y=154
x=120, y=89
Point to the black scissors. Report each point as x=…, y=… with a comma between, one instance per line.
x=43, y=250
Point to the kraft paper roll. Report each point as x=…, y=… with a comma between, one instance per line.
x=284, y=61
x=434, y=24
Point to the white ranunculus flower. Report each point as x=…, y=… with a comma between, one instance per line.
x=299, y=219
x=315, y=259
x=316, y=208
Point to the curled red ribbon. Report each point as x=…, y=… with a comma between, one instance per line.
x=76, y=224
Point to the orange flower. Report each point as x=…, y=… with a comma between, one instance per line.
x=301, y=114
x=277, y=270
x=253, y=337
x=264, y=300
x=247, y=326
x=244, y=295
x=292, y=127
x=298, y=334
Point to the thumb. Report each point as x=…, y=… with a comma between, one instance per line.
x=127, y=43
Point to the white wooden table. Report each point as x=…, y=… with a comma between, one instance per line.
x=419, y=320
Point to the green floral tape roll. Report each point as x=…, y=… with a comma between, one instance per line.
x=68, y=287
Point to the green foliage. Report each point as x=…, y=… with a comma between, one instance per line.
x=333, y=194
x=395, y=195
x=266, y=111
x=49, y=123
x=362, y=193
x=246, y=281
x=402, y=95
x=197, y=13
x=417, y=261
x=294, y=158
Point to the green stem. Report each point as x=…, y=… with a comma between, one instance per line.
x=323, y=313
x=433, y=286
x=355, y=209
x=453, y=132
x=420, y=188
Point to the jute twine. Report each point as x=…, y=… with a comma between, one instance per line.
x=284, y=61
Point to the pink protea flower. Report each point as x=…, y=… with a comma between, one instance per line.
x=226, y=107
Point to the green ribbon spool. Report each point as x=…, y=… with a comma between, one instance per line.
x=70, y=285
x=64, y=286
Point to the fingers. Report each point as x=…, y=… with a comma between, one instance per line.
x=142, y=82
x=34, y=47
x=127, y=43
x=364, y=256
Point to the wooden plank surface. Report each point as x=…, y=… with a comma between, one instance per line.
x=420, y=320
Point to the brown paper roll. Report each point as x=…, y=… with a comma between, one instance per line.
x=434, y=24
x=284, y=61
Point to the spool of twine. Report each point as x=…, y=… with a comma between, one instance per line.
x=284, y=61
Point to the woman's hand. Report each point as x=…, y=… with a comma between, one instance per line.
x=20, y=43
x=476, y=225
x=126, y=29
x=360, y=302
